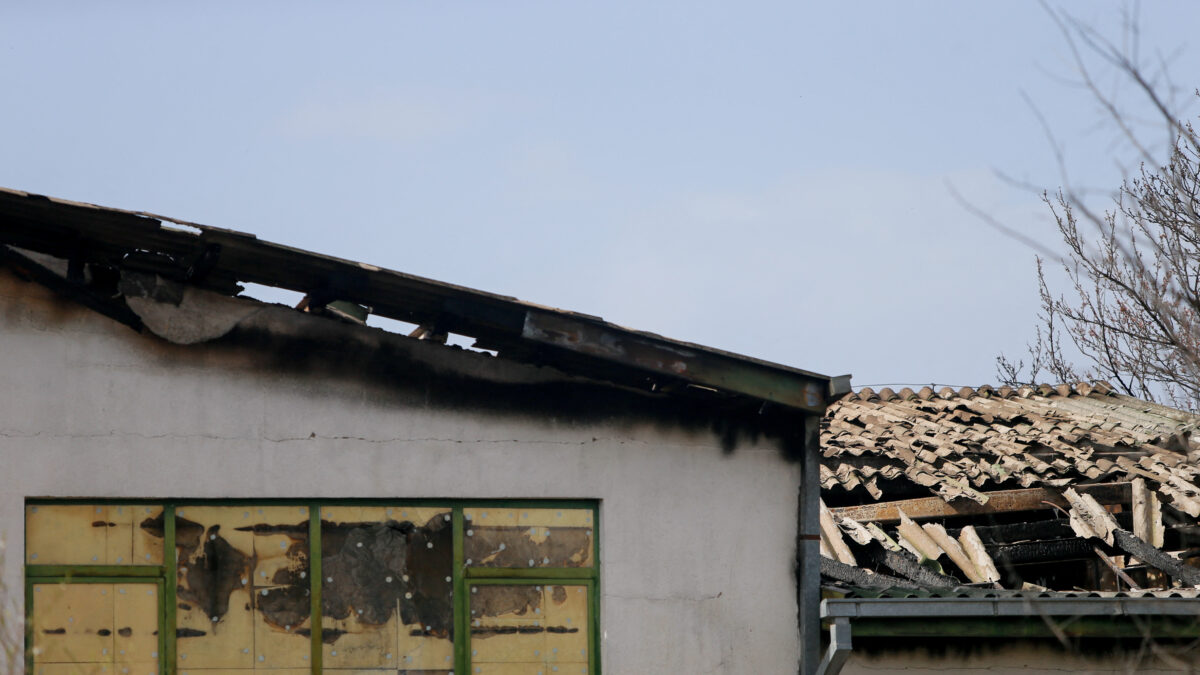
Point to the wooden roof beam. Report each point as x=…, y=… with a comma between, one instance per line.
x=999, y=501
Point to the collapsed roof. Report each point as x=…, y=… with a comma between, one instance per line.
x=1048, y=488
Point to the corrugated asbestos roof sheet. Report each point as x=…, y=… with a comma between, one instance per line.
x=960, y=444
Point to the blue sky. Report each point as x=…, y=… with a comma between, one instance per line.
x=769, y=178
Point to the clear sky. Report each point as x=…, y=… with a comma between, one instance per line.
x=769, y=178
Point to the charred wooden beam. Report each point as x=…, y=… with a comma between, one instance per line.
x=999, y=501
x=1034, y=530
x=1090, y=519
x=1075, y=548
x=904, y=564
x=1126, y=541
x=859, y=576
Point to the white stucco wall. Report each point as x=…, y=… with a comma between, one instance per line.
x=696, y=544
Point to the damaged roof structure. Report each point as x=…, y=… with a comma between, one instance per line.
x=941, y=508
x=244, y=414
x=115, y=254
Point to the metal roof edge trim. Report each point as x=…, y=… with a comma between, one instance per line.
x=910, y=608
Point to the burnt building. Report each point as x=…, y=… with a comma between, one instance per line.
x=197, y=481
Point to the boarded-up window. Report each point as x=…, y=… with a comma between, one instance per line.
x=207, y=588
x=242, y=587
x=528, y=538
x=529, y=628
x=386, y=598
x=96, y=627
x=92, y=534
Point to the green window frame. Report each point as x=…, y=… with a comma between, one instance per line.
x=463, y=577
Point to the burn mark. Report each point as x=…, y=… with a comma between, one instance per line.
x=209, y=573
x=403, y=373
x=189, y=632
x=498, y=600
x=521, y=600
x=377, y=567
x=55, y=631
x=125, y=632
x=328, y=635
x=104, y=632
x=297, y=532
x=509, y=630
x=287, y=604
x=513, y=546
x=210, y=569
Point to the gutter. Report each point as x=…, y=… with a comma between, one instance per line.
x=841, y=611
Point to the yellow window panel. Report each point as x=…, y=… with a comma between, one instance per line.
x=526, y=668
x=135, y=631
x=75, y=669
x=119, y=530
x=386, y=591
x=528, y=538
x=350, y=643
x=354, y=514
x=214, y=621
x=243, y=587
x=147, y=535
x=66, y=534
x=215, y=641
x=72, y=623
x=492, y=516
x=566, y=623
x=242, y=671
x=277, y=647
x=135, y=669
x=91, y=534
x=280, y=585
x=195, y=526
x=385, y=671
x=419, y=649
x=507, y=624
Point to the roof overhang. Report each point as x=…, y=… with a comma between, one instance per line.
x=220, y=260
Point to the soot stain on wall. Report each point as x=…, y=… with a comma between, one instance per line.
x=732, y=420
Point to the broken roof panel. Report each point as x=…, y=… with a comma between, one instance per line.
x=1066, y=487
x=958, y=444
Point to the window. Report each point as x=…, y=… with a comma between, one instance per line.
x=295, y=587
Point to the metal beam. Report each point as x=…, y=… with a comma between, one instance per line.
x=913, y=608
x=679, y=361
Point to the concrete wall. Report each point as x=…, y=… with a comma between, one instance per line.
x=696, y=543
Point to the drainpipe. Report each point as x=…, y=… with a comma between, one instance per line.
x=839, y=647
x=808, y=582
